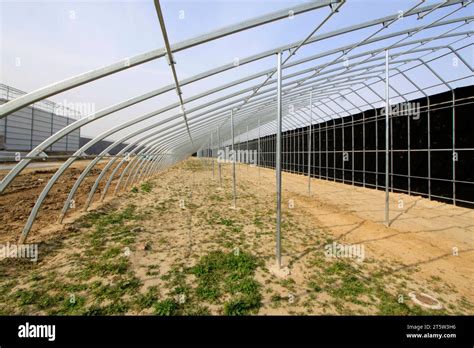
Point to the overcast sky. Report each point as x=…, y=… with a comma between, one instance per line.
x=43, y=42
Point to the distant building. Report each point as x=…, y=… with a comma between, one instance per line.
x=24, y=129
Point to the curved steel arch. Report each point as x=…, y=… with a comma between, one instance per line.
x=48, y=142
x=130, y=62
x=119, y=106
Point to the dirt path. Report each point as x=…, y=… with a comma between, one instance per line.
x=436, y=238
x=175, y=246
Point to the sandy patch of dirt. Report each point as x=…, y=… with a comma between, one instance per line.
x=434, y=238
x=19, y=198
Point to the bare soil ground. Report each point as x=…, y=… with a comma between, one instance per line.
x=19, y=198
x=175, y=246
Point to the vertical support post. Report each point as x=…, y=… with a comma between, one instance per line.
x=234, y=190
x=300, y=152
x=287, y=146
x=363, y=148
x=409, y=152
x=248, y=153
x=454, y=155
x=327, y=151
x=239, y=144
x=292, y=151
x=298, y=149
x=212, y=156
x=376, y=118
x=387, y=143
x=265, y=152
x=343, y=127
x=258, y=148
x=429, y=148
x=352, y=143
x=334, y=150
x=309, y=140
x=391, y=155
x=320, y=166
x=278, y=163
x=218, y=161
x=286, y=151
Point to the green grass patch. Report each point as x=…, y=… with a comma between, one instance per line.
x=221, y=274
x=146, y=187
x=166, y=307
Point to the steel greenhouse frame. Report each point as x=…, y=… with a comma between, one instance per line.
x=213, y=125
